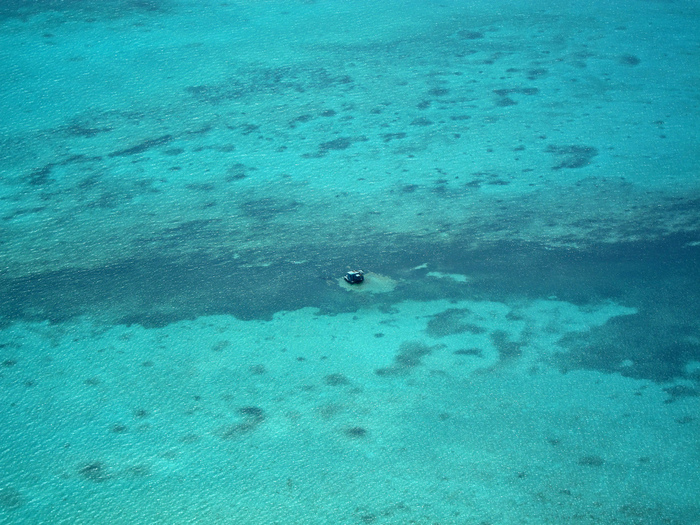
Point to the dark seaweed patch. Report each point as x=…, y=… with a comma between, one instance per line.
x=257, y=370
x=421, y=121
x=505, y=102
x=266, y=209
x=142, y=146
x=236, y=172
x=95, y=472
x=256, y=413
x=451, y=322
x=572, y=157
x=388, y=137
x=523, y=91
x=202, y=186
x=21, y=212
x=534, y=74
x=469, y=351
x=355, y=432
x=41, y=176
x=260, y=81
x=629, y=60
x=336, y=380
x=138, y=471
x=409, y=356
x=677, y=391
x=507, y=350
x=252, y=418
x=438, y=92
x=200, y=228
x=82, y=130
x=470, y=35
x=188, y=439
x=591, y=461
x=658, y=350
x=221, y=345
x=338, y=144
x=10, y=498
x=301, y=119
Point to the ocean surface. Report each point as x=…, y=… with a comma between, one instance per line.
x=183, y=185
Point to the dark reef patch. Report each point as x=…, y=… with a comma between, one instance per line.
x=507, y=350
x=257, y=370
x=388, y=137
x=78, y=129
x=421, y=121
x=200, y=228
x=524, y=91
x=469, y=351
x=264, y=81
x=629, y=60
x=219, y=346
x=679, y=391
x=252, y=416
x=451, y=322
x=41, y=176
x=339, y=144
x=237, y=171
x=438, y=92
x=95, y=472
x=83, y=11
x=301, y=119
x=591, y=461
x=505, y=101
x=143, y=146
x=266, y=209
x=336, y=380
x=655, y=347
x=409, y=356
x=534, y=74
x=355, y=432
x=470, y=35
x=10, y=498
x=572, y=157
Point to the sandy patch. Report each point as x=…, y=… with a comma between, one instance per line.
x=373, y=283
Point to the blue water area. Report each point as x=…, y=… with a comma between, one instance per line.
x=184, y=184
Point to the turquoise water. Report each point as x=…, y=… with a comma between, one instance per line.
x=184, y=184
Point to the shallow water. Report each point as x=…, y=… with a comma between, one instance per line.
x=184, y=184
